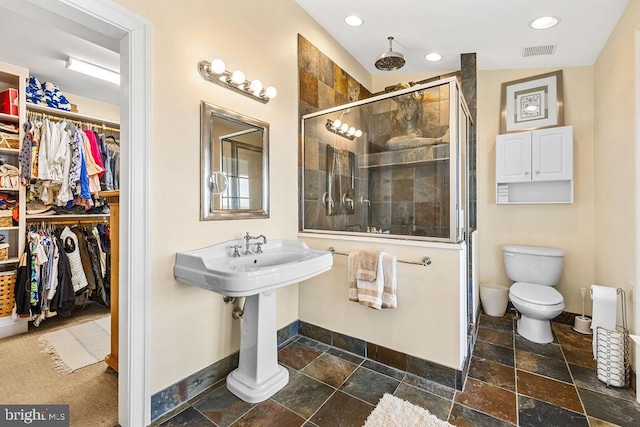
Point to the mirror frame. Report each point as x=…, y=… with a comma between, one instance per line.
x=207, y=111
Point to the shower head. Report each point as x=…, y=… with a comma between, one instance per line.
x=390, y=60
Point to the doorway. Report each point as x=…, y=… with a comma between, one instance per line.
x=132, y=33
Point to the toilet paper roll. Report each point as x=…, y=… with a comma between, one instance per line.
x=605, y=300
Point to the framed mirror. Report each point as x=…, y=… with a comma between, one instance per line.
x=234, y=170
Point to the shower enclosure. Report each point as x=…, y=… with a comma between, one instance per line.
x=390, y=166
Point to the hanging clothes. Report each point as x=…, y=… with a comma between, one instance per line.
x=60, y=268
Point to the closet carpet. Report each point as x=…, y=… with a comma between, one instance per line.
x=28, y=376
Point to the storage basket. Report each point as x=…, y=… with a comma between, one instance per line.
x=6, y=219
x=7, y=282
x=4, y=251
x=612, y=352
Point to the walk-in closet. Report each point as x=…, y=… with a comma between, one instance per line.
x=60, y=176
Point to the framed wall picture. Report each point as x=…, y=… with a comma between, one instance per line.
x=532, y=103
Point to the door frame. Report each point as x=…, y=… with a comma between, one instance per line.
x=134, y=33
x=636, y=288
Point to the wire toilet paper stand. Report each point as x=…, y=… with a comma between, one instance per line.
x=612, y=352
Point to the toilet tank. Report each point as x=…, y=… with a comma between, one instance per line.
x=533, y=264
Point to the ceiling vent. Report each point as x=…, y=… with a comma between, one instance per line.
x=543, y=49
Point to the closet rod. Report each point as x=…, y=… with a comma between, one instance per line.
x=425, y=261
x=68, y=221
x=78, y=122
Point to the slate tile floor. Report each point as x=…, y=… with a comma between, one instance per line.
x=511, y=381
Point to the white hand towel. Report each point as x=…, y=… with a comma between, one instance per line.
x=370, y=292
x=605, y=301
x=389, y=268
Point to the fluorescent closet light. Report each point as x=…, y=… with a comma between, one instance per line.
x=93, y=70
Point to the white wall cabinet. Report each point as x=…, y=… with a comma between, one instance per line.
x=535, y=166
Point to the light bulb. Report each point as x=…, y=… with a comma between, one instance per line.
x=358, y=133
x=217, y=66
x=337, y=123
x=433, y=57
x=256, y=86
x=351, y=131
x=237, y=77
x=344, y=127
x=270, y=92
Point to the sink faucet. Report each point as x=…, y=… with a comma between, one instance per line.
x=247, y=238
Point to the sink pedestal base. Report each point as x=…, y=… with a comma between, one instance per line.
x=259, y=376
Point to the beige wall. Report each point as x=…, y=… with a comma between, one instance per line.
x=566, y=226
x=91, y=107
x=614, y=168
x=426, y=323
x=191, y=328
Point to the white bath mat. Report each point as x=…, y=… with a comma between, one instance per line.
x=79, y=346
x=392, y=411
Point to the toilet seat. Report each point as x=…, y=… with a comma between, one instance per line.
x=533, y=294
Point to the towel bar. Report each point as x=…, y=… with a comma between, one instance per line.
x=425, y=261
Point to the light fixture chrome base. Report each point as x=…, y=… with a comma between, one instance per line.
x=338, y=131
x=224, y=79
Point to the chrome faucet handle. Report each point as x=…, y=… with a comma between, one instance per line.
x=236, y=250
x=259, y=247
x=247, y=237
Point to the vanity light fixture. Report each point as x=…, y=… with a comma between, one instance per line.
x=544, y=22
x=92, y=70
x=343, y=129
x=216, y=72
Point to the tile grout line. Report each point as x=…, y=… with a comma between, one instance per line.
x=575, y=386
x=514, y=323
x=358, y=366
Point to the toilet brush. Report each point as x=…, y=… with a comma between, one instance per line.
x=582, y=323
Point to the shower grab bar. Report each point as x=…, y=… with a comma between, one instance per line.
x=425, y=261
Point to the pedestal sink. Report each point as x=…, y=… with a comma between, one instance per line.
x=256, y=277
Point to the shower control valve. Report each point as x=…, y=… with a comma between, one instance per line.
x=347, y=201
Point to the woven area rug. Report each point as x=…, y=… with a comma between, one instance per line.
x=392, y=411
x=78, y=346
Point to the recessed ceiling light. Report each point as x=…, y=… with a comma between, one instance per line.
x=544, y=22
x=433, y=57
x=353, y=20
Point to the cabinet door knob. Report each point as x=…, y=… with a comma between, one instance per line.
x=526, y=173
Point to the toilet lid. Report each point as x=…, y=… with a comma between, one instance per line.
x=536, y=294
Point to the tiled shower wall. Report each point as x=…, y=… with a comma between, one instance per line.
x=322, y=85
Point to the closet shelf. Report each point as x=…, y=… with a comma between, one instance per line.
x=9, y=150
x=9, y=118
x=12, y=260
x=9, y=189
x=9, y=228
x=69, y=115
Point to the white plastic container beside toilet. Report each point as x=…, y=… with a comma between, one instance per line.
x=494, y=299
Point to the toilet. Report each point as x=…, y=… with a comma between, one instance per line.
x=535, y=271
